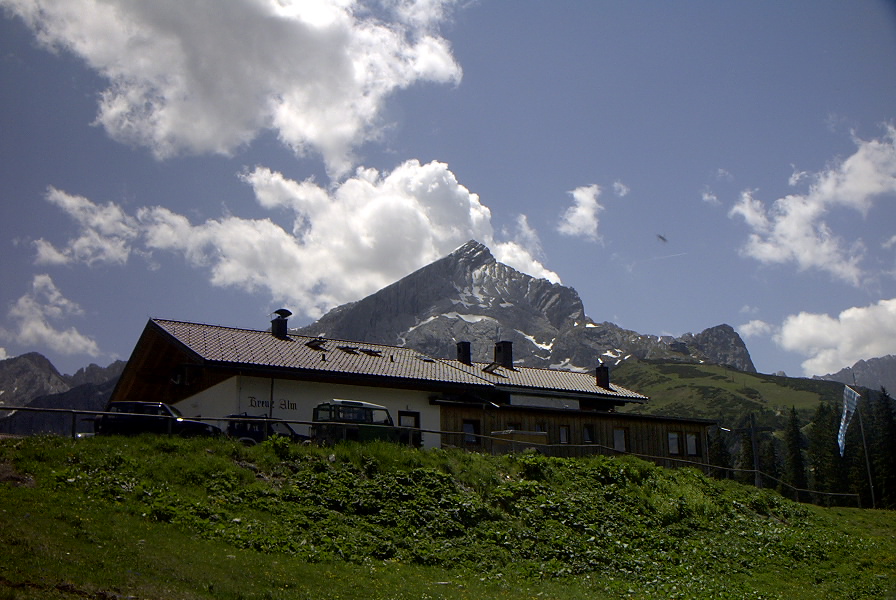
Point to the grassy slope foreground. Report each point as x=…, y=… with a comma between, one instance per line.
x=162, y=518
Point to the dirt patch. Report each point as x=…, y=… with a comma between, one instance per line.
x=8, y=474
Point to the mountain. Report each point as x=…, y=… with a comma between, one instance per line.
x=470, y=296
x=28, y=376
x=873, y=374
x=32, y=380
x=88, y=396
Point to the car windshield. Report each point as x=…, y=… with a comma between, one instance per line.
x=175, y=412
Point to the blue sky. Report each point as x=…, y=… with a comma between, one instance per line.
x=680, y=165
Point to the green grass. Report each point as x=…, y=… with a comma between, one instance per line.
x=723, y=394
x=157, y=517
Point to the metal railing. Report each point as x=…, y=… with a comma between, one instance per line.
x=469, y=441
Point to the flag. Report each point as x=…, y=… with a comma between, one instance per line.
x=850, y=400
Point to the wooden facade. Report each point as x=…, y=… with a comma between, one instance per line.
x=498, y=429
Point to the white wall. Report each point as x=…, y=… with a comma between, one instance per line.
x=295, y=400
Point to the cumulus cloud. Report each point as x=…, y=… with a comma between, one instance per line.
x=207, y=77
x=832, y=343
x=105, y=233
x=795, y=228
x=581, y=219
x=342, y=243
x=35, y=313
x=3, y=355
x=523, y=251
x=755, y=328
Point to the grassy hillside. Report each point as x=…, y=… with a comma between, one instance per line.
x=723, y=394
x=158, y=517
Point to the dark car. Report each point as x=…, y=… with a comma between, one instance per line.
x=132, y=418
x=254, y=429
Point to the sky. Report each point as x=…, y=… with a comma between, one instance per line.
x=679, y=164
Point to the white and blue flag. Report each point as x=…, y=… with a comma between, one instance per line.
x=850, y=401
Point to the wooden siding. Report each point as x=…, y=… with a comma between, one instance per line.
x=645, y=435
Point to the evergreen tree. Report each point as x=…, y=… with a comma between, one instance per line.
x=794, y=465
x=745, y=460
x=883, y=450
x=854, y=454
x=719, y=455
x=769, y=463
x=825, y=472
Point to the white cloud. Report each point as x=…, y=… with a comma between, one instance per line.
x=797, y=176
x=204, y=77
x=581, y=219
x=343, y=244
x=105, y=235
x=620, y=189
x=832, y=343
x=755, y=328
x=724, y=175
x=34, y=313
x=710, y=197
x=3, y=354
x=524, y=252
x=795, y=228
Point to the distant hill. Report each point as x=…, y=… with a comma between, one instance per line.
x=469, y=296
x=723, y=394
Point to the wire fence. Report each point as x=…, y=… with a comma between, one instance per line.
x=78, y=423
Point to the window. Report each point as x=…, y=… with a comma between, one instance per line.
x=564, y=434
x=471, y=431
x=620, y=440
x=514, y=427
x=588, y=434
x=692, y=444
x=541, y=427
x=408, y=419
x=674, y=443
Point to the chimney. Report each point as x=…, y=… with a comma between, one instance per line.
x=464, y=353
x=278, y=323
x=504, y=354
x=603, y=376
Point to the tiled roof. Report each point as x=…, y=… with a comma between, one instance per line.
x=233, y=346
x=531, y=379
x=249, y=347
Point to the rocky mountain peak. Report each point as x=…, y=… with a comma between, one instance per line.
x=27, y=376
x=470, y=296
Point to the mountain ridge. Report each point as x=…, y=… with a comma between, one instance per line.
x=873, y=373
x=469, y=296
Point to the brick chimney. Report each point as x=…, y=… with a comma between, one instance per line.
x=279, y=327
x=504, y=354
x=603, y=376
x=464, y=353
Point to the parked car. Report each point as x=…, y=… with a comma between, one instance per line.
x=352, y=420
x=132, y=418
x=254, y=429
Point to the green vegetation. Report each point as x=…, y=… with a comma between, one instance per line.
x=163, y=517
x=801, y=418
x=723, y=394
